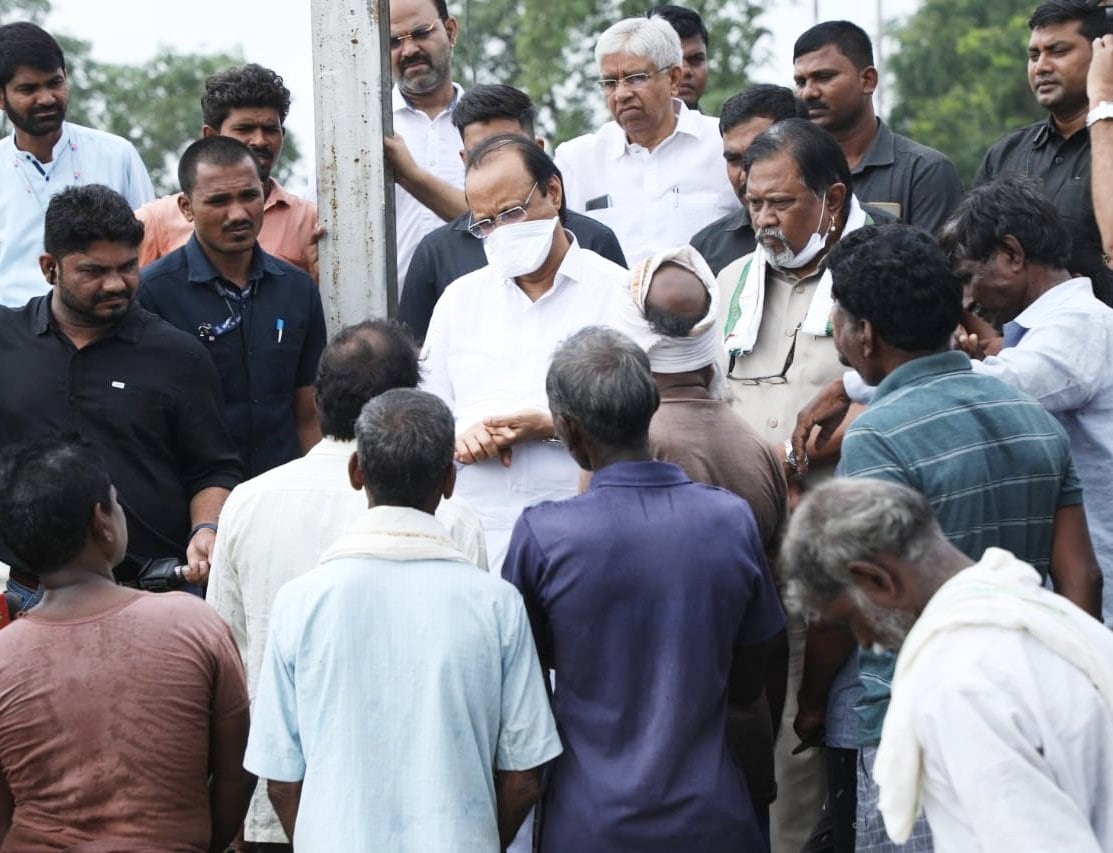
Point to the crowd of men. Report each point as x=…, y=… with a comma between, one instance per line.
x=723, y=483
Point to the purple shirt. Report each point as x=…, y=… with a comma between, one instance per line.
x=640, y=592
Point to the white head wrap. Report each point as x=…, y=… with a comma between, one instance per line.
x=702, y=346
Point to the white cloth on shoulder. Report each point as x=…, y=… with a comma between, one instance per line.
x=741, y=334
x=999, y=591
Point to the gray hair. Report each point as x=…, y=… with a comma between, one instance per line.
x=848, y=520
x=601, y=379
x=404, y=441
x=650, y=38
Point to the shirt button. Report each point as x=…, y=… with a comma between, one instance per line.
x=790, y=332
x=772, y=422
x=1058, y=160
x=798, y=289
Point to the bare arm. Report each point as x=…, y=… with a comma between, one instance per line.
x=826, y=651
x=231, y=786
x=1099, y=84
x=515, y=793
x=305, y=418
x=1074, y=568
x=285, y=797
x=204, y=506
x=442, y=198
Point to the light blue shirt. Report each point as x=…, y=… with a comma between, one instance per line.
x=1065, y=360
x=396, y=688
x=81, y=156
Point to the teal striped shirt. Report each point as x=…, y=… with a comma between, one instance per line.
x=993, y=464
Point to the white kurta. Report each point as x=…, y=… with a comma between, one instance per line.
x=487, y=353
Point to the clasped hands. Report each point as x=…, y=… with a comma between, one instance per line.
x=495, y=436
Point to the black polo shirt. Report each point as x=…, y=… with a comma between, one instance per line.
x=273, y=350
x=145, y=394
x=449, y=252
x=1064, y=167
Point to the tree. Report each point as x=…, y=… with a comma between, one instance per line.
x=960, y=77
x=547, y=50
x=156, y=105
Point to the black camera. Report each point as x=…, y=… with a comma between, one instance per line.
x=161, y=574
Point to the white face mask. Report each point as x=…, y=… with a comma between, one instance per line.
x=789, y=260
x=520, y=248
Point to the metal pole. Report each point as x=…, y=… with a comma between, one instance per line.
x=355, y=191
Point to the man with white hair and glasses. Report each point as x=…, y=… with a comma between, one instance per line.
x=654, y=175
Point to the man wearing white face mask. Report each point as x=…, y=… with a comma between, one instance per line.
x=493, y=333
x=778, y=351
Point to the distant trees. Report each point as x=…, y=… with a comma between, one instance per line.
x=960, y=77
x=547, y=50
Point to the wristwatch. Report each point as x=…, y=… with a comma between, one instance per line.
x=1101, y=112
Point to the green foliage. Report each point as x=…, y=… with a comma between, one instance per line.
x=960, y=77
x=547, y=49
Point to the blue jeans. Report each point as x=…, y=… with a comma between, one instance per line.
x=28, y=597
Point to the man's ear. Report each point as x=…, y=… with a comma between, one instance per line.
x=449, y=484
x=355, y=475
x=208, y=130
x=556, y=191
x=100, y=530
x=869, y=337
x=452, y=28
x=836, y=199
x=868, y=76
x=49, y=266
x=879, y=585
x=676, y=74
x=1014, y=253
x=185, y=207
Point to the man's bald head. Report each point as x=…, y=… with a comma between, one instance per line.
x=677, y=300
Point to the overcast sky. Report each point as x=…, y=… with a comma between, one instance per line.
x=277, y=34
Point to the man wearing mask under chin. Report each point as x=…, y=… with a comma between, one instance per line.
x=493, y=333
x=778, y=348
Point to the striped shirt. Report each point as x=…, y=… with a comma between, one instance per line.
x=993, y=464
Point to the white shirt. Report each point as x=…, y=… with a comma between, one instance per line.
x=658, y=198
x=81, y=156
x=1065, y=361
x=435, y=146
x=274, y=528
x=397, y=680
x=1017, y=746
x=487, y=352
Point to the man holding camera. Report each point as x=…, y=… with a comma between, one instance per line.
x=83, y=358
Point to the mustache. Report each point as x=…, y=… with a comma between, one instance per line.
x=415, y=59
x=236, y=226
x=771, y=233
x=816, y=104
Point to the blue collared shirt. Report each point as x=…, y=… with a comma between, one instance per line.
x=273, y=349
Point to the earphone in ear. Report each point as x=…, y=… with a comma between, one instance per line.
x=53, y=273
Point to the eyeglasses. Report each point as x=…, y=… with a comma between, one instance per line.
x=608, y=86
x=420, y=34
x=484, y=227
x=775, y=379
